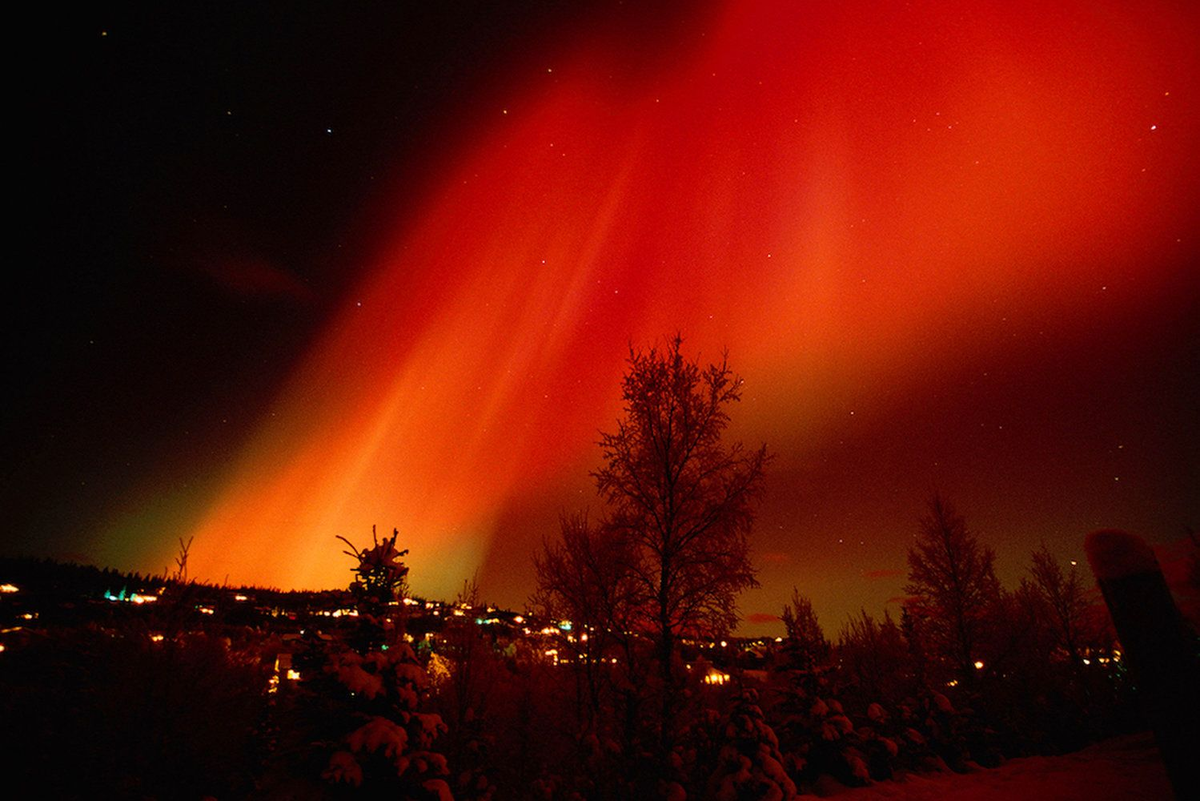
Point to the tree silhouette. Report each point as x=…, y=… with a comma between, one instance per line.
x=806, y=646
x=475, y=669
x=1064, y=604
x=953, y=578
x=683, y=499
x=380, y=577
x=181, y=574
x=873, y=654
x=585, y=578
x=358, y=706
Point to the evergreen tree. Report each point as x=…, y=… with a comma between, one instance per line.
x=750, y=766
x=361, y=695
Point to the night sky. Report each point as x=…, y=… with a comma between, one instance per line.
x=294, y=270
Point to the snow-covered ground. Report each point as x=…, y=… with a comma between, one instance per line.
x=1127, y=768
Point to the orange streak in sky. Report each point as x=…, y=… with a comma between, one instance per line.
x=836, y=192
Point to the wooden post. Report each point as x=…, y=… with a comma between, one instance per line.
x=1158, y=646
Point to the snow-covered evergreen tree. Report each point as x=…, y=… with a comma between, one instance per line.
x=361, y=696
x=749, y=765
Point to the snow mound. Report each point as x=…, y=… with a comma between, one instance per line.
x=1127, y=768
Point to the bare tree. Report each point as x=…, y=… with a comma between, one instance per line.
x=181, y=573
x=1063, y=598
x=872, y=653
x=683, y=499
x=953, y=580
x=473, y=672
x=585, y=578
x=806, y=645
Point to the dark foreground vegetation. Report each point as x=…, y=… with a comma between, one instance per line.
x=621, y=680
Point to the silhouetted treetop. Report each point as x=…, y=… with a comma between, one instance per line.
x=682, y=496
x=952, y=576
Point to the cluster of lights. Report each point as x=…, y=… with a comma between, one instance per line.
x=712, y=677
x=341, y=613
x=716, y=677
x=134, y=598
x=1103, y=660
x=286, y=669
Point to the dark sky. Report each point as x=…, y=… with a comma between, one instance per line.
x=293, y=272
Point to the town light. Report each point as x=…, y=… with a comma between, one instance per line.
x=716, y=677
